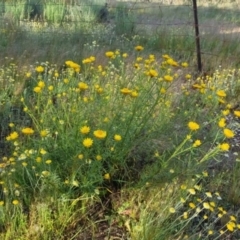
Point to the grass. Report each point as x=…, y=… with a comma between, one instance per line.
x=104, y=135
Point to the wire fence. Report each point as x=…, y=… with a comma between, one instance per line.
x=218, y=30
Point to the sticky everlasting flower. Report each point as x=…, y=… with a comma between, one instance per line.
x=27, y=131
x=100, y=134
x=87, y=142
x=39, y=69
x=236, y=113
x=224, y=146
x=139, y=48
x=106, y=176
x=125, y=91
x=193, y=126
x=110, y=54
x=117, y=137
x=197, y=143
x=222, y=123
x=168, y=78
x=221, y=93
x=12, y=136
x=228, y=133
x=85, y=130
x=83, y=86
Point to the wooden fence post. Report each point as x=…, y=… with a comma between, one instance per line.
x=197, y=36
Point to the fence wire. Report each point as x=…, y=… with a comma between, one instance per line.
x=219, y=28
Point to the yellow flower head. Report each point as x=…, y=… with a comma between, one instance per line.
x=37, y=89
x=110, y=54
x=152, y=73
x=106, y=176
x=221, y=93
x=168, y=78
x=12, y=136
x=39, y=69
x=139, y=48
x=41, y=84
x=44, y=133
x=222, y=123
x=85, y=130
x=117, y=137
x=197, y=143
x=224, y=146
x=27, y=131
x=100, y=134
x=237, y=113
x=184, y=64
x=228, y=133
x=126, y=91
x=193, y=126
x=87, y=142
x=15, y=202
x=83, y=86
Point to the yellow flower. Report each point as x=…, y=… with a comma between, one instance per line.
x=125, y=55
x=15, y=202
x=99, y=157
x=110, y=54
x=48, y=161
x=192, y=191
x=172, y=210
x=80, y=156
x=1, y=203
x=27, y=131
x=106, y=176
x=45, y=173
x=230, y=226
x=221, y=93
x=228, y=133
x=184, y=64
x=224, y=146
x=117, y=137
x=152, y=73
x=50, y=88
x=41, y=84
x=225, y=112
x=171, y=62
x=163, y=90
x=139, y=48
x=87, y=142
x=188, y=76
x=82, y=86
x=197, y=143
x=222, y=123
x=125, y=91
x=28, y=74
x=168, y=78
x=44, y=133
x=100, y=134
x=85, y=130
x=39, y=69
x=37, y=89
x=209, y=194
x=193, y=126
x=192, y=205
x=206, y=205
x=12, y=136
x=43, y=151
x=237, y=113
x=134, y=93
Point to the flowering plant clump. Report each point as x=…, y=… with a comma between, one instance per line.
x=88, y=128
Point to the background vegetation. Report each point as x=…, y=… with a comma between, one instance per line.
x=107, y=129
